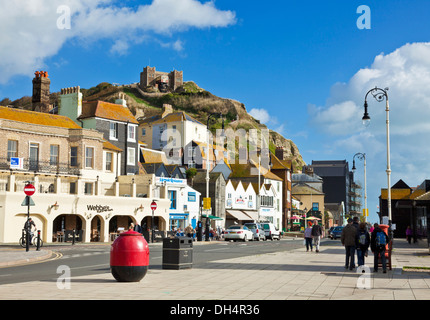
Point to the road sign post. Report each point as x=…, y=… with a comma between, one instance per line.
x=29, y=190
x=153, y=208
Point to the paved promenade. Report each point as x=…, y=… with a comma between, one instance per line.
x=292, y=275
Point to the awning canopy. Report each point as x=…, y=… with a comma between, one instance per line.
x=239, y=215
x=252, y=214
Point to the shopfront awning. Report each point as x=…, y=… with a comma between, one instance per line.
x=239, y=215
x=252, y=214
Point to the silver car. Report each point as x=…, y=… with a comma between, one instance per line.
x=257, y=230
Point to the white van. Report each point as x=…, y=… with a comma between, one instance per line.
x=271, y=231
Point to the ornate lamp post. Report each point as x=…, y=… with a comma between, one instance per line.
x=381, y=95
x=362, y=156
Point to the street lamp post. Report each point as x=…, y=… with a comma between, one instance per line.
x=381, y=95
x=207, y=166
x=362, y=156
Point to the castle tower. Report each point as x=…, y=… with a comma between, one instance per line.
x=147, y=77
x=175, y=80
x=41, y=87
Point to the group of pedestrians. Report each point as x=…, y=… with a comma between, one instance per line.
x=313, y=233
x=356, y=237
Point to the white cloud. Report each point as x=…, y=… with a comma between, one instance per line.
x=30, y=33
x=265, y=118
x=406, y=72
x=260, y=114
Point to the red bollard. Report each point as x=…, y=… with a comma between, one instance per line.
x=129, y=257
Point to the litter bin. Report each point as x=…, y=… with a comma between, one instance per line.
x=177, y=253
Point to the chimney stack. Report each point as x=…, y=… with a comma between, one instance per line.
x=167, y=109
x=41, y=87
x=279, y=153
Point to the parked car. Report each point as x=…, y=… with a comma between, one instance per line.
x=336, y=233
x=238, y=232
x=329, y=232
x=271, y=231
x=257, y=230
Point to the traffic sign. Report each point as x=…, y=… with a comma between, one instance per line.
x=153, y=205
x=29, y=190
x=28, y=202
x=207, y=203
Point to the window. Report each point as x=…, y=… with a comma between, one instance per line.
x=89, y=157
x=191, y=164
x=131, y=156
x=191, y=197
x=54, y=153
x=172, y=197
x=113, y=130
x=74, y=156
x=12, y=149
x=88, y=188
x=72, y=189
x=109, y=161
x=131, y=133
x=143, y=132
x=34, y=156
x=315, y=206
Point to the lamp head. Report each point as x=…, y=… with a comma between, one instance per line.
x=366, y=117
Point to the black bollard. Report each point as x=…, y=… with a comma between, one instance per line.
x=73, y=239
x=38, y=240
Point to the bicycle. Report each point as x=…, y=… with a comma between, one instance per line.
x=33, y=240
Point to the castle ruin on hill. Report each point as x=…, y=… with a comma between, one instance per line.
x=163, y=81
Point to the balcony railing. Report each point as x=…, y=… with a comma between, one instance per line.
x=35, y=166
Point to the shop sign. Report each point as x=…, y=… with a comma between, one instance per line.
x=161, y=180
x=240, y=200
x=99, y=208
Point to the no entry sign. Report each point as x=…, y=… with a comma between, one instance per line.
x=29, y=190
x=153, y=205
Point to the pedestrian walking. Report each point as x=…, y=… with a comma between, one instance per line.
x=308, y=237
x=409, y=234
x=362, y=242
x=378, y=240
x=347, y=238
x=316, y=235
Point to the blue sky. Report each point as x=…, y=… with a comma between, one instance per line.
x=304, y=66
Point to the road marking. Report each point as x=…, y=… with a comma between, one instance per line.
x=93, y=266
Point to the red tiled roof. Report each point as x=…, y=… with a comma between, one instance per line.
x=106, y=110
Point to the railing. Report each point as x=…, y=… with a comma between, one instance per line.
x=42, y=167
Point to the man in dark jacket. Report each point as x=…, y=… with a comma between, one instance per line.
x=347, y=238
x=378, y=242
x=316, y=235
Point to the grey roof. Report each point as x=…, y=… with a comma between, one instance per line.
x=303, y=177
x=330, y=168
